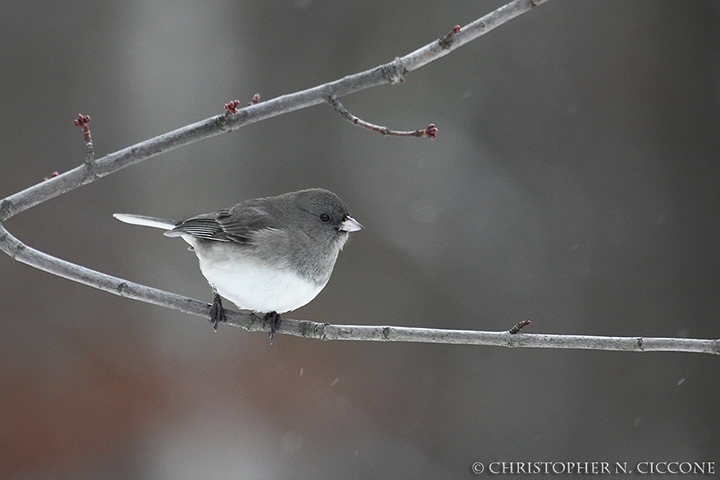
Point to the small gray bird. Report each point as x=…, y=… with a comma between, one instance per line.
x=268, y=255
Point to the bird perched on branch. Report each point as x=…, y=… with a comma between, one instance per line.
x=268, y=255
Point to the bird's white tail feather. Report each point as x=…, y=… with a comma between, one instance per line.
x=145, y=221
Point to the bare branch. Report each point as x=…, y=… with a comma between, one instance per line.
x=506, y=339
x=234, y=119
x=324, y=331
x=392, y=73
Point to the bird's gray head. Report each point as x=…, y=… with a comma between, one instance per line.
x=323, y=215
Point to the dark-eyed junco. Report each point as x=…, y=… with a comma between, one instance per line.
x=269, y=255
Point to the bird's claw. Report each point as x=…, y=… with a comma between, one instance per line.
x=217, y=312
x=273, y=319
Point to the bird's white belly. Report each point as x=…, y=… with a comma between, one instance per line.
x=253, y=286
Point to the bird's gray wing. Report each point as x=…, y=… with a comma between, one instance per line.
x=236, y=224
x=203, y=226
x=240, y=222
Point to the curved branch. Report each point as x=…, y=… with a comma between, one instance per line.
x=392, y=72
x=324, y=331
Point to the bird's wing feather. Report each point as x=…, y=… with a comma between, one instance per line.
x=204, y=226
x=241, y=221
x=236, y=224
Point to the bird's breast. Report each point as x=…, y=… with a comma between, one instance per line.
x=252, y=283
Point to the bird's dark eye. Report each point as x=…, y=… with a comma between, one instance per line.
x=324, y=217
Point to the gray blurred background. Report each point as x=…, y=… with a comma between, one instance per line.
x=575, y=182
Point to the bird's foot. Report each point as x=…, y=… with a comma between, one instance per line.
x=217, y=312
x=273, y=319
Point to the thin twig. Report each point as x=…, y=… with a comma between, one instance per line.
x=430, y=131
x=447, y=40
x=519, y=326
x=83, y=121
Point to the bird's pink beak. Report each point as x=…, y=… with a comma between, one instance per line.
x=350, y=225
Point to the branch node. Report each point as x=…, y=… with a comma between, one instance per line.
x=386, y=333
x=231, y=109
x=519, y=326
x=394, y=71
x=308, y=330
x=121, y=288
x=447, y=40
x=18, y=249
x=83, y=121
x=5, y=209
x=640, y=342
